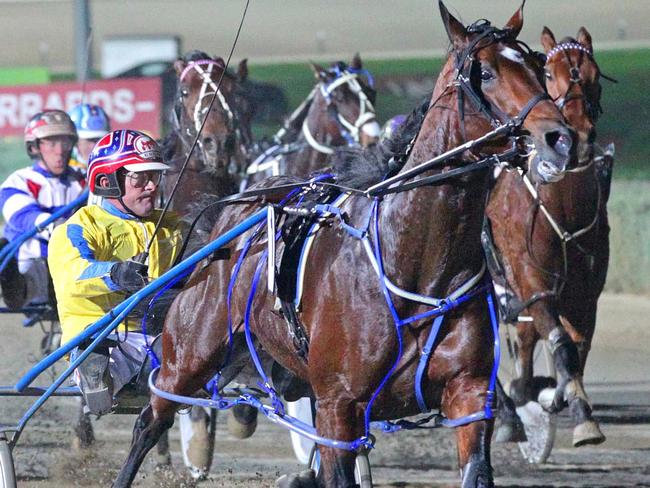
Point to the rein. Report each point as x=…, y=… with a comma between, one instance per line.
x=565, y=239
x=198, y=134
x=369, y=235
x=593, y=110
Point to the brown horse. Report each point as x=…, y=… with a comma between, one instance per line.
x=430, y=237
x=553, y=241
x=339, y=111
x=220, y=154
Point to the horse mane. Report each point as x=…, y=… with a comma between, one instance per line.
x=360, y=168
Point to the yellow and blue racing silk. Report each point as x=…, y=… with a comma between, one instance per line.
x=83, y=250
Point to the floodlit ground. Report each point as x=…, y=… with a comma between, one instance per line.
x=617, y=381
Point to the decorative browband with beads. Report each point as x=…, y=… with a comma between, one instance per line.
x=565, y=47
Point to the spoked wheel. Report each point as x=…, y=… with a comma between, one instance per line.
x=51, y=337
x=7, y=470
x=197, y=429
x=539, y=425
x=362, y=472
x=50, y=342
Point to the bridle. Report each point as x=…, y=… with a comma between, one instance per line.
x=208, y=89
x=272, y=159
x=466, y=66
x=504, y=125
x=593, y=110
x=349, y=130
x=592, y=107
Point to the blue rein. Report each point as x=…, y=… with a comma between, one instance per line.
x=275, y=411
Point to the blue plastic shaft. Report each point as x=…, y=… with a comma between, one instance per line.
x=10, y=249
x=117, y=314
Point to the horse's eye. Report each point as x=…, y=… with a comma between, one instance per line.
x=547, y=74
x=184, y=92
x=486, y=75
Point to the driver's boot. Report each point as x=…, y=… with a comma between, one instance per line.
x=12, y=282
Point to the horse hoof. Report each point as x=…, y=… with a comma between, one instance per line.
x=84, y=436
x=587, y=433
x=545, y=398
x=242, y=421
x=164, y=459
x=196, y=443
x=510, y=431
x=304, y=479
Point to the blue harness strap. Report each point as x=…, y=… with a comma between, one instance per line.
x=275, y=411
x=424, y=360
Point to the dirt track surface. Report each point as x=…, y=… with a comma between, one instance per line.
x=617, y=383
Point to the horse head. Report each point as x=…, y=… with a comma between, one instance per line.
x=223, y=137
x=572, y=80
x=498, y=76
x=343, y=105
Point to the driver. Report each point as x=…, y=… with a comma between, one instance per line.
x=92, y=124
x=29, y=196
x=98, y=257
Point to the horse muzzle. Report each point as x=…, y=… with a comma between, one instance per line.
x=549, y=160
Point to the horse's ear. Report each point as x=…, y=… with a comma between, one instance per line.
x=179, y=66
x=319, y=71
x=584, y=38
x=516, y=22
x=356, y=62
x=242, y=70
x=548, y=39
x=455, y=29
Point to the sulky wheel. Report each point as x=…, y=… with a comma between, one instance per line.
x=7, y=470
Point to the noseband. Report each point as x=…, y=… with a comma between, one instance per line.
x=466, y=63
x=205, y=69
x=208, y=83
x=504, y=125
x=349, y=130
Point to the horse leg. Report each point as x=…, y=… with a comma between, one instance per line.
x=341, y=419
x=520, y=390
x=84, y=435
x=148, y=429
x=463, y=397
x=510, y=428
x=337, y=419
x=163, y=457
x=586, y=430
x=564, y=353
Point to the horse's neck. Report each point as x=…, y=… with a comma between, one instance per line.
x=432, y=233
x=310, y=159
x=319, y=123
x=574, y=200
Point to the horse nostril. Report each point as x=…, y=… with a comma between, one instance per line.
x=560, y=141
x=208, y=143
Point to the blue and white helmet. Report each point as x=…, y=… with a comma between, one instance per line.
x=90, y=120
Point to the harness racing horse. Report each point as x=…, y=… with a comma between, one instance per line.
x=214, y=168
x=220, y=156
x=362, y=356
x=339, y=111
x=552, y=242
